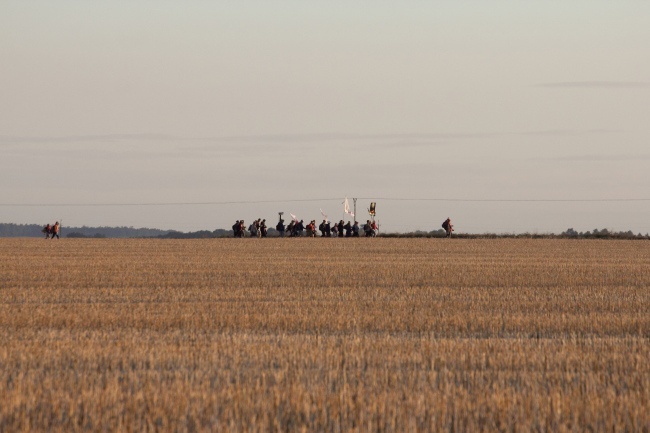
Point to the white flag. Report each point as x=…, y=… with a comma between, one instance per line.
x=346, y=208
x=293, y=217
x=324, y=216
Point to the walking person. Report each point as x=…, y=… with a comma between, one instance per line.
x=311, y=229
x=299, y=228
x=252, y=229
x=280, y=227
x=263, y=228
x=355, y=229
x=448, y=227
x=340, y=230
x=47, y=230
x=55, y=230
x=367, y=229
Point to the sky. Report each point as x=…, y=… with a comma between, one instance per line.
x=506, y=116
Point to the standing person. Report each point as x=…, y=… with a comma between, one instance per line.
x=375, y=228
x=55, y=230
x=335, y=230
x=340, y=231
x=291, y=228
x=263, y=228
x=235, y=228
x=242, y=229
x=321, y=227
x=328, y=229
x=280, y=227
x=448, y=227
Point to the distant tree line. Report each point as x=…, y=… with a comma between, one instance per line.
x=568, y=234
x=34, y=231
x=8, y=230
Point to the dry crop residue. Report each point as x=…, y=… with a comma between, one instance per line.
x=324, y=335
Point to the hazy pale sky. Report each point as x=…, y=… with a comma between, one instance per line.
x=203, y=102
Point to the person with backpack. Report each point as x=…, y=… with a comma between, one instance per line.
x=448, y=227
x=47, y=230
x=280, y=227
x=252, y=229
x=321, y=228
x=367, y=229
x=299, y=227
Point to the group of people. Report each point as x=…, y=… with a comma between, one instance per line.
x=52, y=231
x=298, y=228
x=257, y=229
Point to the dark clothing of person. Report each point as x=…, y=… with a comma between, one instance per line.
x=448, y=227
x=348, y=229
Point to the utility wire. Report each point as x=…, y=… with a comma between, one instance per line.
x=217, y=203
x=213, y=203
x=207, y=203
x=499, y=200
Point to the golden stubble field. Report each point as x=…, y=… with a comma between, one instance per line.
x=324, y=335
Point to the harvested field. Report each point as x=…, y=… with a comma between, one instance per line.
x=324, y=335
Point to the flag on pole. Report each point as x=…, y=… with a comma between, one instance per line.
x=346, y=208
x=324, y=216
x=293, y=217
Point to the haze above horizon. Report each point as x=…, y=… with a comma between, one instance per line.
x=211, y=102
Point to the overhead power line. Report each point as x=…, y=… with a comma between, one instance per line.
x=500, y=200
x=218, y=203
